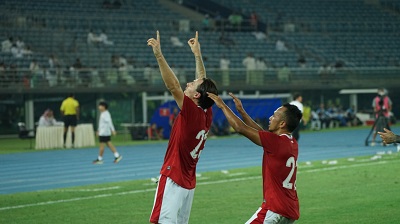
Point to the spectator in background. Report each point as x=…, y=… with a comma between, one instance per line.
x=250, y=64
x=175, y=41
x=20, y=44
x=147, y=71
x=47, y=119
x=315, y=121
x=301, y=61
x=78, y=64
x=382, y=105
x=306, y=114
x=153, y=132
x=324, y=116
x=224, y=67
x=92, y=38
x=280, y=45
x=254, y=20
x=217, y=20
x=117, y=4
x=122, y=60
x=27, y=51
x=235, y=19
x=259, y=35
x=261, y=67
x=6, y=45
x=284, y=73
x=16, y=52
x=325, y=73
x=107, y=4
x=103, y=38
x=206, y=23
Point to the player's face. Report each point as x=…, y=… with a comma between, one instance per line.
x=275, y=121
x=190, y=90
x=101, y=108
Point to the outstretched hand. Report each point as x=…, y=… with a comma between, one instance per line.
x=195, y=45
x=387, y=136
x=155, y=44
x=218, y=101
x=237, y=101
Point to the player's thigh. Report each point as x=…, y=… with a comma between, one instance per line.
x=171, y=202
x=258, y=217
x=274, y=218
x=184, y=211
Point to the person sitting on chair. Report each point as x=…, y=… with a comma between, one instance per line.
x=47, y=119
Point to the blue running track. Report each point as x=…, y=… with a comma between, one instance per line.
x=33, y=171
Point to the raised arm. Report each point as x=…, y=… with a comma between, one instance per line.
x=195, y=46
x=170, y=79
x=389, y=137
x=237, y=124
x=246, y=118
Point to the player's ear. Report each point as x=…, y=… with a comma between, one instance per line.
x=197, y=95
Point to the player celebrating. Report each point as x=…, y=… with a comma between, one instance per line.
x=279, y=165
x=175, y=190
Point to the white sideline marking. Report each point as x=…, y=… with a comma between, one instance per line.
x=91, y=190
x=201, y=183
x=236, y=174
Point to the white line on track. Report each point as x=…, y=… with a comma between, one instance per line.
x=200, y=183
x=89, y=190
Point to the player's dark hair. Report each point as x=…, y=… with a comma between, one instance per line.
x=104, y=104
x=292, y=116
x=296, y=95
x=208, y=85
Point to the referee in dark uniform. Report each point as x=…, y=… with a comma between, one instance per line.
x=70, y=111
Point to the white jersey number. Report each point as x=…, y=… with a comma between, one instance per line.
x=202, y=135
x=291, y=162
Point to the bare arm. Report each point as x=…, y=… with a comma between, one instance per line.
x=170, y=79
x=246, y=118
x=195, y=47
x=237, y=124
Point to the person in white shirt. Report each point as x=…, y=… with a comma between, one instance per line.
x=224, y=66
x=261, y=66
x=105, y=129
x=250, y=63
x=280, y=46
x=298, y=99
x=92, y=38
x=6, y=45
x=103, y=38
x=47, y=119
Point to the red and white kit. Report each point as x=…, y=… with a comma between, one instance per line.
x=175, y=190
x=279, y=171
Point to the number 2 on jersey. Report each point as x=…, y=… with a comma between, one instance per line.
x=291, y=162
x=202, y=135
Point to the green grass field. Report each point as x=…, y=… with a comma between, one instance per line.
x=360, y=191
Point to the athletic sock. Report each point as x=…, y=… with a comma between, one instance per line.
x=116, y=154
x=100, y=158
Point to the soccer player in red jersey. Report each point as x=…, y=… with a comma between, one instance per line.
x=279, y=166
x=175, y=190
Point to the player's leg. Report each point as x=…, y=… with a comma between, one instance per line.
x=274, y=218
x=258, y=217
x=99, y=159
x=66, y=126
x=74, y=122
x=117, y=156
x=184, y=211
x=168, y=200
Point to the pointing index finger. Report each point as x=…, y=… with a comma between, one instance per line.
x=158, y=36
x=197, y=36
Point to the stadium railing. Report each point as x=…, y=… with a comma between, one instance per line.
x=149, y=79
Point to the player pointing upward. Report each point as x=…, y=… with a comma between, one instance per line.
x=175, y=190
x=279, y=166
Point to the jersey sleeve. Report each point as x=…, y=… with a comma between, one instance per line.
x=268, y=139
x=76, y=103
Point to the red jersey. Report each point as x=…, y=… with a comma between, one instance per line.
x=279, y=169
x=188, y=136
